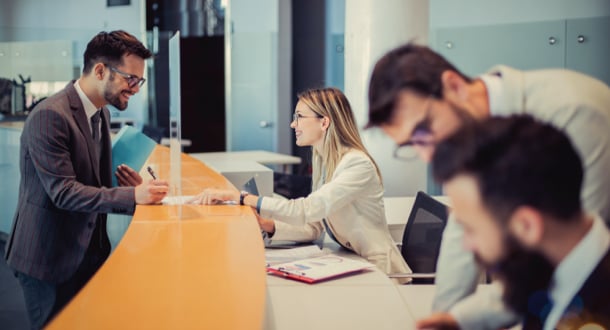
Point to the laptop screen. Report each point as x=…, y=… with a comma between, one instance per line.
x=251, y=187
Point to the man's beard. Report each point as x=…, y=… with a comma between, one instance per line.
x=113, y=98
x=524, y=273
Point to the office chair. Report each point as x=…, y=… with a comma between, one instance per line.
x=421, y=240
x=153, y=132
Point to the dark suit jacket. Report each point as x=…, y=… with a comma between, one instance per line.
x=63, y=190
x=590, y=305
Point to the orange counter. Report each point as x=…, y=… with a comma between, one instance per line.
x=205, y=272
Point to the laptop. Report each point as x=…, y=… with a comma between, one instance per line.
x=250, y=187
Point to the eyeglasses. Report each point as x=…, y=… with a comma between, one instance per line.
x=422, y=137
x=132, y=80
x=296, y=116
x=408, y=150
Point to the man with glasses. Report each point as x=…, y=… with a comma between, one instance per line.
x=59, y=240
x=418, y=98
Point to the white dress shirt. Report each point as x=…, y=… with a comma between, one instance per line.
x=90, y=109
x=572, y=272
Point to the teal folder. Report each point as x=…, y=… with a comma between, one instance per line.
x=132, y=148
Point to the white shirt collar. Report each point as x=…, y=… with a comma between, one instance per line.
x=90, y=109
x=576, y=267
x=495, y=93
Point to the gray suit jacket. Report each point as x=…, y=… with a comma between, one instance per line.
x=64, y=191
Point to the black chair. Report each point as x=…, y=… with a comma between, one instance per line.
x=155, y=133
x=421, y=240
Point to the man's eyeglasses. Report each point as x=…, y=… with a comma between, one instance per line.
x=408, y=150
x=296, y=116
x=132, y=80
x=422, y=137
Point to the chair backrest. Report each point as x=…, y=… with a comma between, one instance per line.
x=155, y=133
x=421, y=240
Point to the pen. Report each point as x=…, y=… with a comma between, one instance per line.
x=151, y=172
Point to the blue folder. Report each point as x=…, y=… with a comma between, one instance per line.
x=130, y=147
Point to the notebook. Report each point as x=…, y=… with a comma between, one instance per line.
x=132, y=148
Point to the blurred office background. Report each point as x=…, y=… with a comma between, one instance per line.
x=243, y=62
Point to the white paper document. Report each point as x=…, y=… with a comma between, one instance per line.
x=278, y=256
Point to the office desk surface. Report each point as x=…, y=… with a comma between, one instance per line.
x=178, y=274
x=368, y=300
x=259, y=156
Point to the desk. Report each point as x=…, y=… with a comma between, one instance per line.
x=367, y=300
x=259, y=156
x=178, y=274
x=207, y=272
x=418, y=299
x=242, y=171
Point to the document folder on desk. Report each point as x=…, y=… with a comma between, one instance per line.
x=132, y=148
x=318, y=269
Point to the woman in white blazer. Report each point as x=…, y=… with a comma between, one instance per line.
x=347, y=195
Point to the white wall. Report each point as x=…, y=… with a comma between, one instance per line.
x=451, y=13
x=371, y=29
x=78, y=21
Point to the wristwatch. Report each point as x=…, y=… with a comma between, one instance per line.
x=242, y=195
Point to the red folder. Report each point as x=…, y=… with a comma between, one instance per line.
x=319, y=269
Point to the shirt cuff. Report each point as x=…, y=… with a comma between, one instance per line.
x=259, y=202
x=484, y=309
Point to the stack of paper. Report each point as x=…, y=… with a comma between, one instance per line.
x=279, y=256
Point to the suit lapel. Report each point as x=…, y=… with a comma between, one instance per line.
x=591, y=305
x=78, y=111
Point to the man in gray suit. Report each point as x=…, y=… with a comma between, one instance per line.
x=418, y=98
x=59, y=240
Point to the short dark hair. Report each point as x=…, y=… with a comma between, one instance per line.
x=516, y=160
x=408, y=67
x=109, y=47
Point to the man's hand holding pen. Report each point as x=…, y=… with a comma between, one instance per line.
x=150, y=192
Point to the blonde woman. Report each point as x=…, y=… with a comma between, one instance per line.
x=347, y=195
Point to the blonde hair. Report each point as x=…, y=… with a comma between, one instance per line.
x=341, y=136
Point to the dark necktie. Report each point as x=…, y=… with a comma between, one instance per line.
x=539, y=307
x=95, y=132
x=95, y=126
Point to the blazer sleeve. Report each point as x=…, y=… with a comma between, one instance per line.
x=50, y=144
x=588, y=131
x=353, y=176
x=305, y=233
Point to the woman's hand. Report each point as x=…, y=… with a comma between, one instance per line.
x=267, y=225
x=215, y=196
